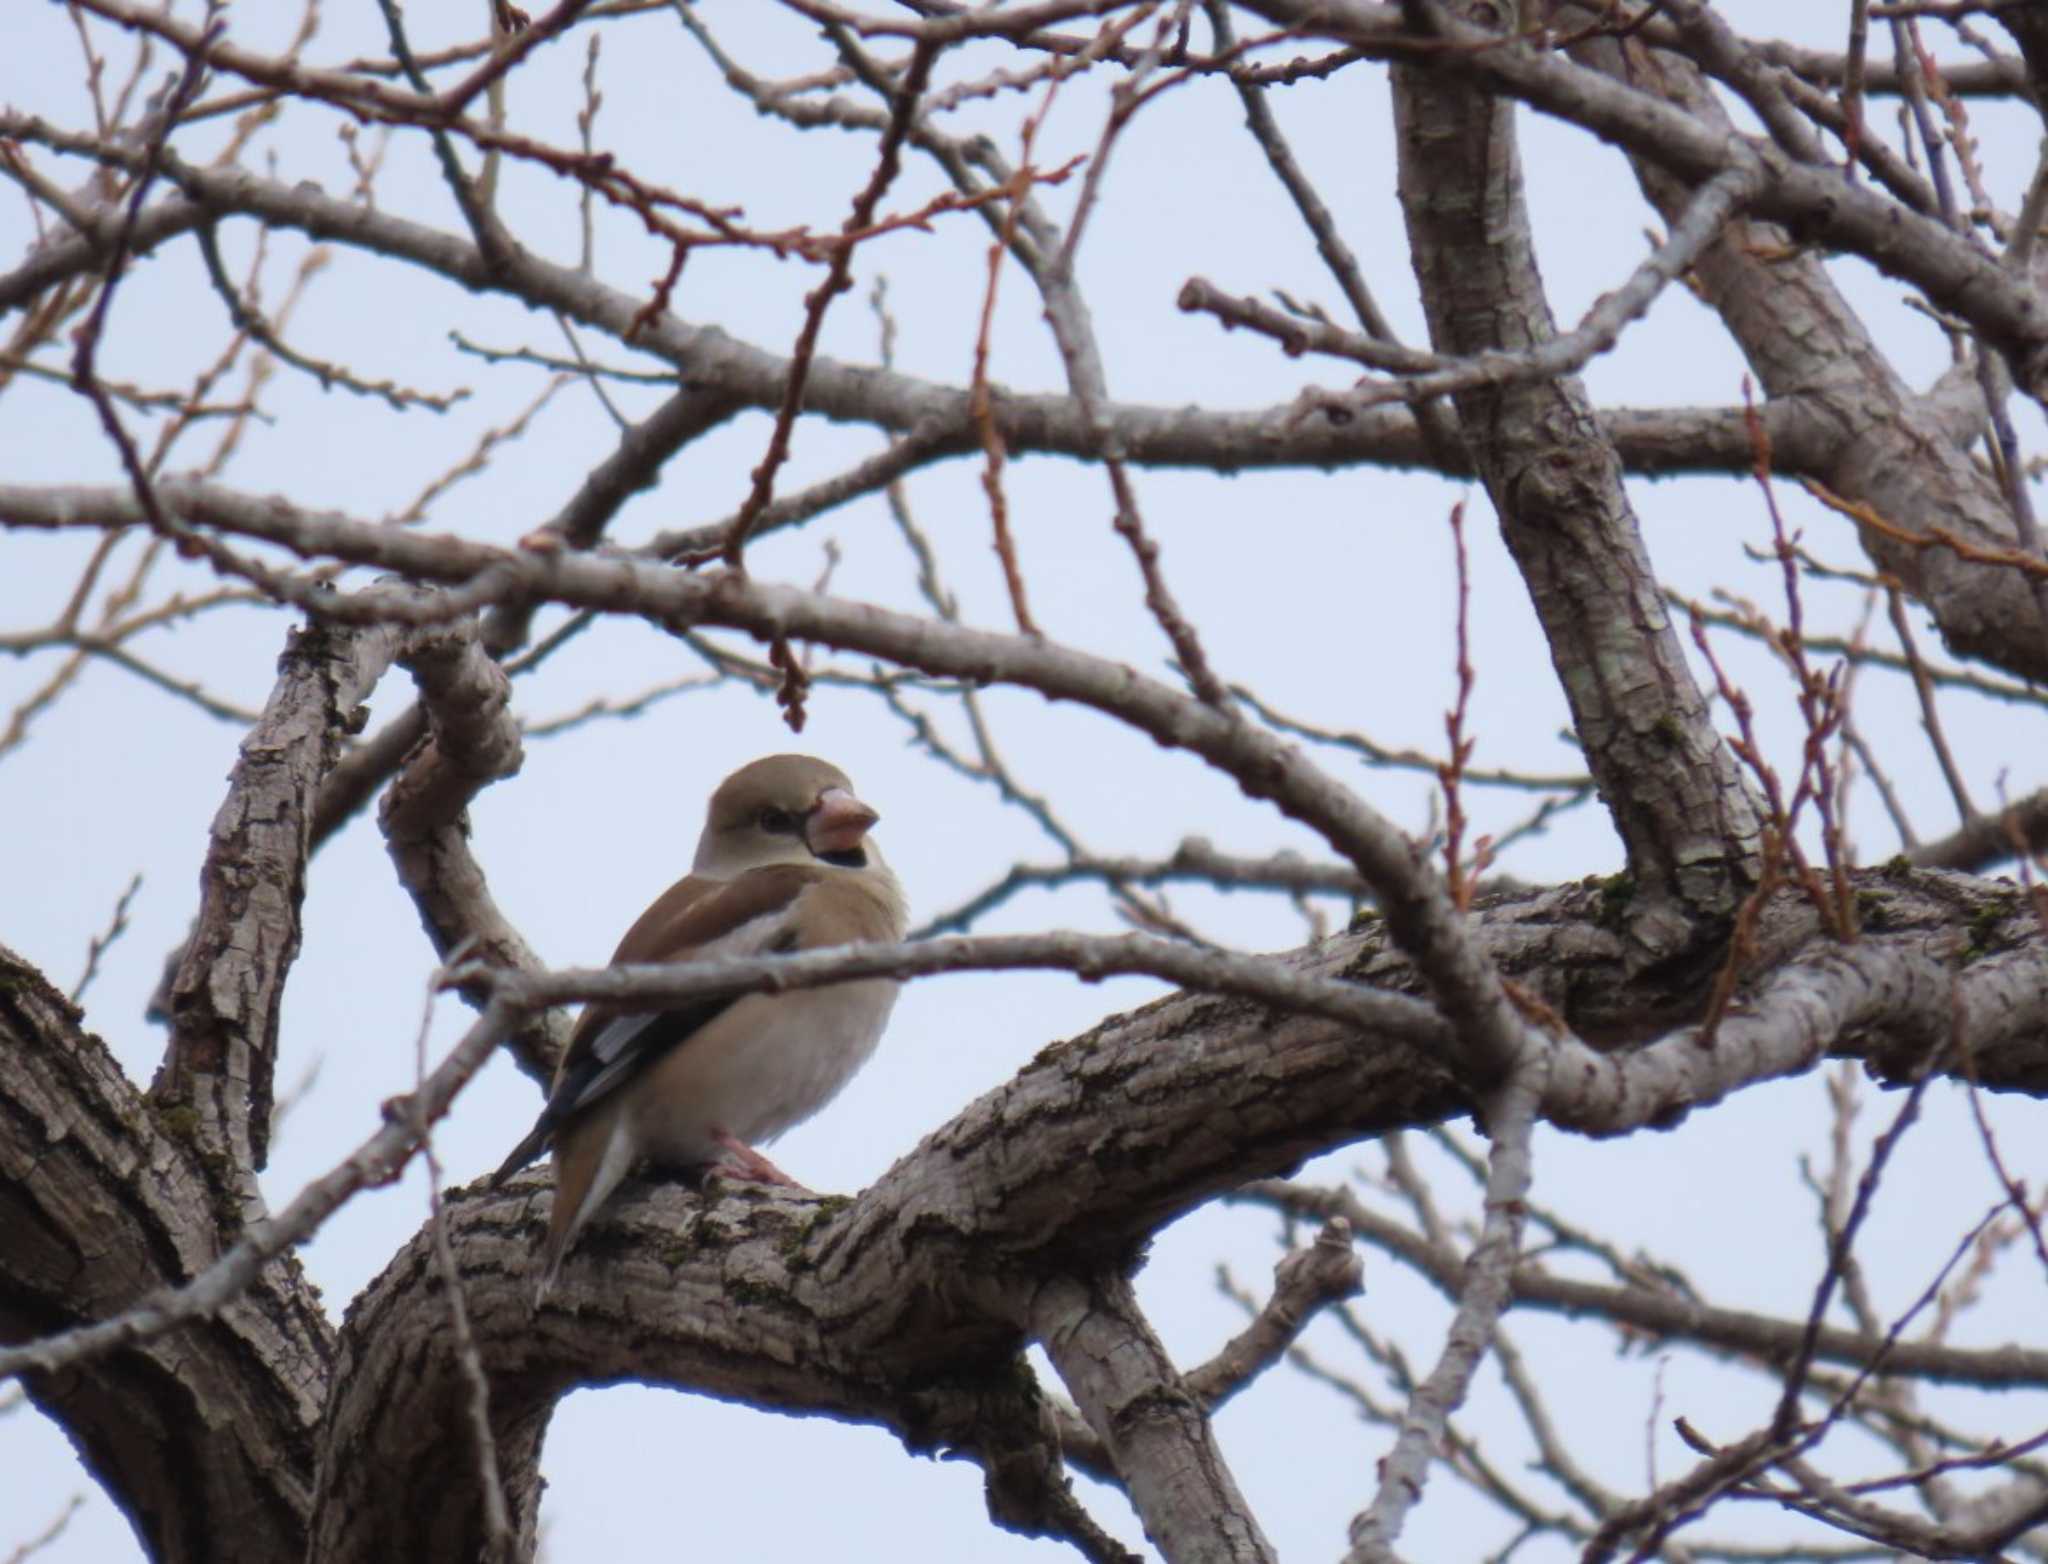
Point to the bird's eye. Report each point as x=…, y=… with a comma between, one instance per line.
x=778, y=822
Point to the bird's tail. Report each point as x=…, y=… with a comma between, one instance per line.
x=535, y=1143
x=551, y=1267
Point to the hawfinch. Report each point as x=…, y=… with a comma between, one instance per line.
x=784, y=864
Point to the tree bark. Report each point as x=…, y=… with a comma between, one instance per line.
x=1671, y=786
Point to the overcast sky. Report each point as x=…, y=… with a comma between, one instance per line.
x=1331, y=594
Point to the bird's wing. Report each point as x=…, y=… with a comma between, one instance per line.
x=694, y=920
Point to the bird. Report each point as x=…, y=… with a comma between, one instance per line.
x=785, y=864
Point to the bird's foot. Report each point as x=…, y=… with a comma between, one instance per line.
x=742, y=1161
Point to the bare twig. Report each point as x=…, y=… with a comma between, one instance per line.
x=888, y=161
x=1484, y=1297
x=116, y=927
x=469, y=1362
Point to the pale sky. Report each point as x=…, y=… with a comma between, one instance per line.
x=1329, y=593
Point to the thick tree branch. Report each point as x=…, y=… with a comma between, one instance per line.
x=1989, y=839
x=1157, y=1431
x=202, y=1437
x=1673, y=789
x=1813, y=201
x=1029, y=1181
x=1888, y=448
x=472, y=741
x=1030, y=1184
x=230, y=980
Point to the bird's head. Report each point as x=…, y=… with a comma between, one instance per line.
x=784, y=809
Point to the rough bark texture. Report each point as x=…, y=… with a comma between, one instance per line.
x=1886, y=446
x=902, y=1307
x=205, y=1437
x=258, y=1429
x=1157, y=1433
x=1672, y=787
x=230, y=979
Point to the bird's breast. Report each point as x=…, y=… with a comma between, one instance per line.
x=768, y=1063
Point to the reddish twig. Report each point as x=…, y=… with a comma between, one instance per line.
x=819, y=299
x=1819, y=697
x=980, y=404
x=1460, y=877
x=1934, y=537
x=1923, y=687
x=83, y=365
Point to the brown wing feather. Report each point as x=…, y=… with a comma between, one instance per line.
x=695, y=912
x=688, y=915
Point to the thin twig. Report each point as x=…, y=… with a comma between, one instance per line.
x=98, y=946
x=1484, y=1297
x=499, y=1543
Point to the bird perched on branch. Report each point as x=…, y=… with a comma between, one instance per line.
x=784, y=864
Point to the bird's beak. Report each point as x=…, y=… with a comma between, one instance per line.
x=837, y=822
